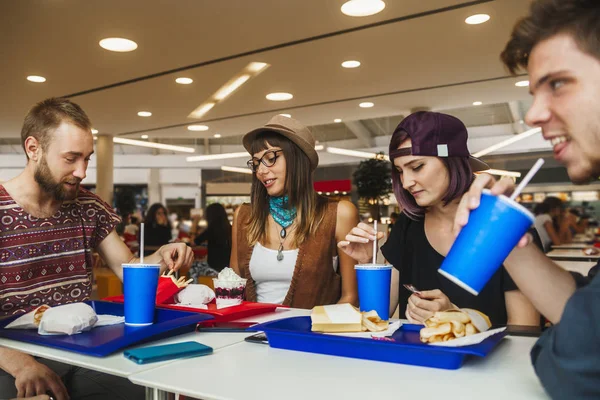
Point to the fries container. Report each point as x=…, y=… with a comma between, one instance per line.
x=139, y=286
x=167, y=289
x=374, y=288
x=493, y=230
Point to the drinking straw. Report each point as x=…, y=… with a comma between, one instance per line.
x=375, y=242
x=536, y=167
x=142, y=243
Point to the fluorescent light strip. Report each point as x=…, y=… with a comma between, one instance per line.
x=236, y=169
x=210, y=157
x=248, y=72
x=501, y=172
x=153, y=145
x=355, y=153
x=507, y=142
x=230, y=87
x=319, y=147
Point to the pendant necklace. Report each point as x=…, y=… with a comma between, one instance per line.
x=284, y=216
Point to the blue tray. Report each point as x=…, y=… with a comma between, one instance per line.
x=295, y=334
x=104, y=340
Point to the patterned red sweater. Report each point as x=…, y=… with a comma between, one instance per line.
x=49, y=260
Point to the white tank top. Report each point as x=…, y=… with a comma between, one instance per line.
x=272, y=277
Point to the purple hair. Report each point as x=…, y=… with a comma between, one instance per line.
x=459, y=171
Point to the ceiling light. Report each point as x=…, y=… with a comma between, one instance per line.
x=217, y=135
x=236, y=169
x=279, y=96
x=94, y=131
x=36, y=78
x=256, y=66
x=319, y=147
x=153, y=145
x=351, y=64
x=118, y=44
x=356, y=153
x=477, y=103
x=477, y=19
x=362, y=8
x=144, y=136
x=507, y=142
x=501, y=172
x=200, y=111
x=337, y=120
x=366, y=104
x=211, y=157
x=286, y=115
x=184, y=81
x=522, y=84
x=145, y=114
x=230, y=87
x=197, y=128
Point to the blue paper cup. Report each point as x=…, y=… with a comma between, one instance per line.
x=374, y=288
x=139, y=286
x=493, y=230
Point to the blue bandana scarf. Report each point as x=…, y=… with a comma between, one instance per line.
x=281, y=214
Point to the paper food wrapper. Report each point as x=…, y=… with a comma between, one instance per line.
x=195, y=295
x=468, y=340
x=393, y=327
x=68, y=319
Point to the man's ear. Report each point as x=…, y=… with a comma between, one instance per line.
x=33, y=148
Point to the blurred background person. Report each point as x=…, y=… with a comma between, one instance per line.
x=547, y=221
x=157, y=228
x=217, y=237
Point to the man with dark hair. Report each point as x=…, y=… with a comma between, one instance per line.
x=49, y=227
x=559, y=44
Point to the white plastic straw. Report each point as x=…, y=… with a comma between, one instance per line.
x=375, y=242
x=536, y=167
x=142, y=243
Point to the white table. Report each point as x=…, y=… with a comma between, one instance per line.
x=117, y=365
x=583, y=267
x=572, y=255
x=570, y=246
x=248, y=371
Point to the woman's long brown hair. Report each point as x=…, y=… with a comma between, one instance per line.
x=310, y=207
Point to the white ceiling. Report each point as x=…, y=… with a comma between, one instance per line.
x=414, y=54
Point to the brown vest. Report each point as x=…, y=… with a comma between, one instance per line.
x=314, y=282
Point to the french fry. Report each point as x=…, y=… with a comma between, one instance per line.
x=471, y=330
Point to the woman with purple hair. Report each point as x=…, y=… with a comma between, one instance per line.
x=432, y=169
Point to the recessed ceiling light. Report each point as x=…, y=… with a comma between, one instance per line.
x=362, y=8
x=337, y=120
x=257, y=66
x=351, y=64
x=217, y=135
x=366, y=104
x=477, y=19
x=286, y=115
x=120, y=45
x=94, y=131
x=144, y=136
x=145, y=114
x=184, y=81
x=231, y=87
x=197, y=128
x=477, y=103
x=522, y=84
x=279, y=96
x=36, y=78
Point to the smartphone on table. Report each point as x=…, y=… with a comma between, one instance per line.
x=215, y=326
x=260, y=337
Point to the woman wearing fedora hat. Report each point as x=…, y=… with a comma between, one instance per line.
x=432, y=169
x=284, y=242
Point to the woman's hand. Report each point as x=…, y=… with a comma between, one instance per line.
x=358, y=243
x=422, y=306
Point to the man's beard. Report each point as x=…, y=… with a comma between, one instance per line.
x=43, y=176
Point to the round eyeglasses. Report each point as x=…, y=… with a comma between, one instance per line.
x=268, y=160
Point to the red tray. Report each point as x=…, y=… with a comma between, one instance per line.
x=246, y=309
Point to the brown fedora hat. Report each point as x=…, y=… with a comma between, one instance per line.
x=291, y=129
